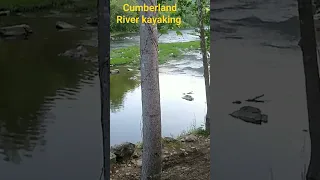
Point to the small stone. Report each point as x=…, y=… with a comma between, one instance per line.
x=93, y=21
x=123, y=151
x=114, y=71
x=189, y=138
x=4, y=13
x=188, y=97
x=236, y=102
x=169, y=140
x=64, y=25
x=135, y=155
x=16, y=30
x=128, y=69
x=139, y=163
x=78, y=53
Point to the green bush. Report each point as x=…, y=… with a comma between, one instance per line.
x=116, y=10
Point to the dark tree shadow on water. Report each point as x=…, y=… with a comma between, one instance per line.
x=32, y=78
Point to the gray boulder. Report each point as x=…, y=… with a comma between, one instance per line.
x=16, y=30
x=114, y=71
x=64, y=25
x=4, y=13
x=79, y=52
x=169, y=140
x=123, y=151
x=188, y=97
x=189, y=138
x=250, y=114
x=93, y=21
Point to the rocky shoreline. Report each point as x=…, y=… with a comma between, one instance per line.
x=126, y=158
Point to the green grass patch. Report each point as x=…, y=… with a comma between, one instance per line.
x=167, y=51
x=198, y=131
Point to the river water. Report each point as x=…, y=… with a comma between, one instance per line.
x=255, y=52
x=50, y=106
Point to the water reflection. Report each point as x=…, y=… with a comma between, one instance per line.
x=178, y=114
x=120, y=84
x=32, y=76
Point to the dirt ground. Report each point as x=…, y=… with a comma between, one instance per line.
x=181, y=160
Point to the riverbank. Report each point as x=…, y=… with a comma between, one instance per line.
x=167, y=51
x=15, y=6
x=186, y=157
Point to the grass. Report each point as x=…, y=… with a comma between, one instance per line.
x=167, y=51
x=198, y=131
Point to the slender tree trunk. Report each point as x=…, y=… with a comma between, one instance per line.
x=311, y=71
x=316, y=5
x=104, y=75
x=151, y=110
x=205, y=61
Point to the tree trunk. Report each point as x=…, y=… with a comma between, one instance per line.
x=311, y=71
x=150, y=96
x=205, y=61
x=104, y=75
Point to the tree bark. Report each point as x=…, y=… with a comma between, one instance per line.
x=205, y=61
x=104, y=75
x=150, y=96
x=311, y=71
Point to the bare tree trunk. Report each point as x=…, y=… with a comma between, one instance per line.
x=151, y=110
x=205, y=61
x=311, y=71
x=104, y=75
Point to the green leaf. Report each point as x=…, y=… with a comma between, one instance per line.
x=163, y=31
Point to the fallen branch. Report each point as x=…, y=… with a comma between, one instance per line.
x=255, y=99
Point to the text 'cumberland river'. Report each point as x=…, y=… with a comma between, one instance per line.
x=144, y=7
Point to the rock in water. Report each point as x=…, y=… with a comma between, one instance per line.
x=236, y=102
x=64, y=25
x=250, y=109
x=114, y=71
x=79, y=52
x=123, y=151
x=16, y=30
x=188, y=97
x=250, y=114
x=93, y=21
x=4, y=13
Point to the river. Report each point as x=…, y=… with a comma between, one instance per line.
x=255, y=52
x=50, y=106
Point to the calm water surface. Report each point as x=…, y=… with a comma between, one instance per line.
x=255, y=52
